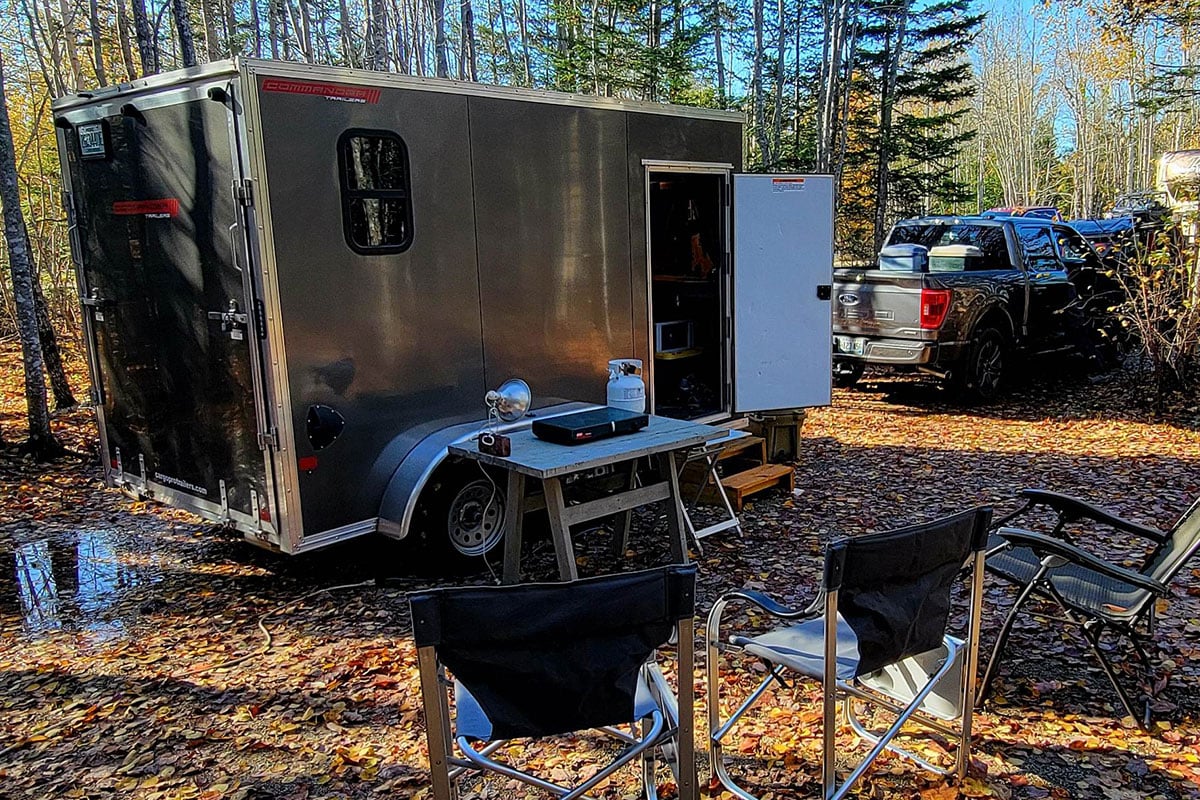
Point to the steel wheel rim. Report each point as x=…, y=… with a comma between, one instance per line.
x=475, y=522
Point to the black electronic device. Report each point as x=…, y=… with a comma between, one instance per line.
x=588, y=426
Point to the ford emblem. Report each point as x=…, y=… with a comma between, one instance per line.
x=848, y=299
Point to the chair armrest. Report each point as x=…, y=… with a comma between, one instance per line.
x=1044, y=545
x=712, y=628
x=773, y=608
x=1074, y=508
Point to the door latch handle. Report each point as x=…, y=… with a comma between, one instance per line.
x=232, y=321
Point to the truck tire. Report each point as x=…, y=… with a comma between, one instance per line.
x=459, y=517
x=980, y=377
x=847, y=373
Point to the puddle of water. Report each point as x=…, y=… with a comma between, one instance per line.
x=73, y=581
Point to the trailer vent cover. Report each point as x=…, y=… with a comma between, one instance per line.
x=323, y=425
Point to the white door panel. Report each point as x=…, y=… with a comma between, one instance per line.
x=782, y=257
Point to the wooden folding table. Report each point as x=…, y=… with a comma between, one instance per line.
x=552, y=463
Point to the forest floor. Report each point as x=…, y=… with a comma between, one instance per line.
x=116, y=617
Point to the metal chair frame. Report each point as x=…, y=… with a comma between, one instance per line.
x=1056, y=550
x=825, y=607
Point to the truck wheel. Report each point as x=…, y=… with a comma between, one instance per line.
x=847, y=373
x=459, y=517
x=981, y=376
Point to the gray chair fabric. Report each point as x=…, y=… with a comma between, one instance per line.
x=801, y=647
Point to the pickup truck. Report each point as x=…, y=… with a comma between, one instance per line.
x=962, y=297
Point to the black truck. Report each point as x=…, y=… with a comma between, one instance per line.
x=962, y=297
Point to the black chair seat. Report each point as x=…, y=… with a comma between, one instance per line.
x=1078, y=586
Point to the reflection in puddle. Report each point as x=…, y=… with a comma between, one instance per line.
x=71, y=581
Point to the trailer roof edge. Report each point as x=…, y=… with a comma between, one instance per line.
x=158, y=81
x=359, y=76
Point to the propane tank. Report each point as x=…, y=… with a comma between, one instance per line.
x=625, y=387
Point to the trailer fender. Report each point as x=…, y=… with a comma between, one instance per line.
x=420, y=461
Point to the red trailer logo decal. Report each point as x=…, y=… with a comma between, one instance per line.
x=165, y=208
x=330, y=91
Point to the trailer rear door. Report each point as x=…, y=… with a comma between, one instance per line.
x=160, y=241
x=782, y=264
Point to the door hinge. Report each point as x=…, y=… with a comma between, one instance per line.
x=243, y=191
x=268, y=440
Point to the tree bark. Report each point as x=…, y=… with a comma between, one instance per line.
x=441, y=48
x=894, y=48
x=756, y=88
x=147, y=52
x=68, y=37
x=126, y=45
x=212, y=44
x=41, y=442
x=183, y=28
x=468, y=59
x=379, y=38
x=97, y=43
x=718, y=19
x=51, y=355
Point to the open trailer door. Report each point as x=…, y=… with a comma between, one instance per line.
x=782, y=269
x=159, y=241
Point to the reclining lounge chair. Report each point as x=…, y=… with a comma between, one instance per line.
x=1094, y=594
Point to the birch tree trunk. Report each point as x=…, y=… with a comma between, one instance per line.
x=41, y=442
x=97, y=43
x=141, y=28
x=756, y=88
x=72, y=48
x=777, y=128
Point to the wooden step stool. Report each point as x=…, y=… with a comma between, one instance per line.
x=743, y=484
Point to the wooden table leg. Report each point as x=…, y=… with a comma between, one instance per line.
x=675, y=526
x=514, y=518
x=560, y=531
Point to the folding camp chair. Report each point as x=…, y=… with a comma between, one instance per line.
x=540, y=660
x=877, y=632
x=1095, y=595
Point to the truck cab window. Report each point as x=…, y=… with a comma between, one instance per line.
x=376, y=203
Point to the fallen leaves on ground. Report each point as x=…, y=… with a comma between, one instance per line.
x=116, y=616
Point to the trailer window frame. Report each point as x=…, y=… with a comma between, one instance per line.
x=350, y=194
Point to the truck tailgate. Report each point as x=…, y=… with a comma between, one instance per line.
x=876, y=303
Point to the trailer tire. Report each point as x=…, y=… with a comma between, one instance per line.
x=459, y=517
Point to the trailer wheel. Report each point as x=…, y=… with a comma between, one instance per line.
x=459, y=517
x=475, y=518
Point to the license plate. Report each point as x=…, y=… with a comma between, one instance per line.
x=852, y=345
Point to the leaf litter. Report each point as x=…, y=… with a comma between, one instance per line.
x=133, y=662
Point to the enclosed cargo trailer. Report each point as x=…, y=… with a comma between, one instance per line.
x=300, y=281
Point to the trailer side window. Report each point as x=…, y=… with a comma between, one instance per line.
x=377, y=207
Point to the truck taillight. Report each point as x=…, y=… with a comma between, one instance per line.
x=935, y=303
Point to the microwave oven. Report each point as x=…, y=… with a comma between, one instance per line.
x=674, y=337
